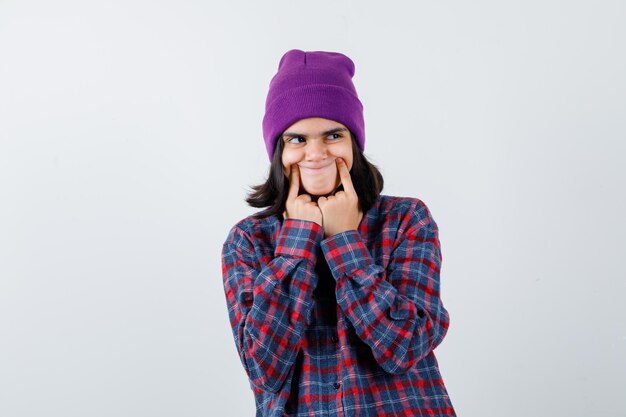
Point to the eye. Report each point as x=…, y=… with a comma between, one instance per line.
x=336, y=134
x=290, y=140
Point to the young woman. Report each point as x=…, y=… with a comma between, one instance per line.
x=333, y=291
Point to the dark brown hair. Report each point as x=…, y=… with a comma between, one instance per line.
x=367, y=180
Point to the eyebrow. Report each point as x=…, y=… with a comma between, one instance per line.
x=325, y=133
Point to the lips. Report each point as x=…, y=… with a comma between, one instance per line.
x=316, y=170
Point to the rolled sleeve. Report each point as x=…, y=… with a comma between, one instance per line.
x=300, y=239
x=345, y=253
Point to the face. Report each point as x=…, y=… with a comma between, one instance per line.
x=314, y=144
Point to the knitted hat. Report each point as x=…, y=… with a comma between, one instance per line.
x=312, y=84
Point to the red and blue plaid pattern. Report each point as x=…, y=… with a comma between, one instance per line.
x=344, y=325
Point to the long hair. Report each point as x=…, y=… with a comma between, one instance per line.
x=367, y=180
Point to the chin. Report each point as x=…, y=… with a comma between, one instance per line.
x=318, y=193
x=323, y=192
x=323, y=187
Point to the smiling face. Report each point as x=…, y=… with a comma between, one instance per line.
x=314, y=144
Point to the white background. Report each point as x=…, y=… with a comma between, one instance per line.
x=130, y=132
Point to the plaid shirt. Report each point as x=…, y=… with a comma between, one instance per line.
x=344, y=325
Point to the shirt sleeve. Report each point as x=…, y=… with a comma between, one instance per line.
x=269, y=304
x=397, y=311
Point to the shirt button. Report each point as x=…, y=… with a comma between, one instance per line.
x=336, y=385
x=334, y=338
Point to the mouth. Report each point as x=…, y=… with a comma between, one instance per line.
x=317, y=170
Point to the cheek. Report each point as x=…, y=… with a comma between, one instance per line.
x=348, y=159
x=347, y=156
x=289, y=158
x=287, y=166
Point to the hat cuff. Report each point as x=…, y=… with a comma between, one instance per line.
x=315, y=100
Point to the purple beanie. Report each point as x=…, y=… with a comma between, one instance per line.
x=312, y=84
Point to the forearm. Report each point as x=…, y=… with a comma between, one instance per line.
x=269, y=304
x=399, y=326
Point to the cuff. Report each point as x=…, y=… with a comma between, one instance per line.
x=299, y=238
x=346, y=252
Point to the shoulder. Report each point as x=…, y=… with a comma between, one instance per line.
x=406, y=214
x=252, y=230
x=399, y=206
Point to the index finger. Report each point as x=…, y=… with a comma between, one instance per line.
x=344, y=173
x=294, y=182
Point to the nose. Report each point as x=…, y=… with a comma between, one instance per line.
x=316, y=150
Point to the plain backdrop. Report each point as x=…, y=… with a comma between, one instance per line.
x=130, y=133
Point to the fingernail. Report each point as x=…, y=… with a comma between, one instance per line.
x=340, y=160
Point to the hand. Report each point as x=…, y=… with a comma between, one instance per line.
x=300, y=206
x=341, y=212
